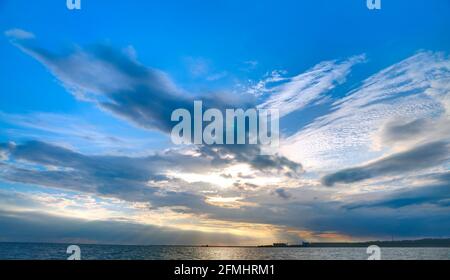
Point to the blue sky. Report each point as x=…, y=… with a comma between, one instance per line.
x=363, y=94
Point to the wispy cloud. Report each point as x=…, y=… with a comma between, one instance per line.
x=76, y=132
x=202, y=68
x=345, y=136
x=294, y=93
x=20, y=34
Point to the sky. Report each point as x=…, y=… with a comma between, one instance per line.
x=86, y=98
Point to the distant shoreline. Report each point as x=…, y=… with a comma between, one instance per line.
x=420, y=243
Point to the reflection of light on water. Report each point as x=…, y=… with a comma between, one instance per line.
x=252, y=253
x=223, y=253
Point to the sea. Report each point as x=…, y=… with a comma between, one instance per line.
x=44, y=251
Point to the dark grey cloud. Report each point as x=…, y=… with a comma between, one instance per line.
x=394, y=132
x=442, y=177
x=116, y=176
x=144, y=96
x=415, y=130
x=436, y=193
x=421, y=157
x=282, y=193
x=407, y=222
x=116, y=82
x=251, y=154
x=245, y=186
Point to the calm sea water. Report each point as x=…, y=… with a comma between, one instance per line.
x=37, y=251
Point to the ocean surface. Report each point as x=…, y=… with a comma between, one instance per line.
x=40, y=251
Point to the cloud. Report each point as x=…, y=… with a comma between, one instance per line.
x=133, y=179
x=294, y=93
x=110, y=79
x=26, y=226
x=282, y=193
x=87, y=135
x=250, y=65
x=19, y=34
x=252, y=154
x=127, y=179
x=415, y=131
x=143, y=96
x=415, y=221
x=201, y=68
x=122, y=177
x=414, y=88
x=424, y=195
x=412, y=220
x=115, y=82
x=436, y=192
x=3, y=156
x=217, y=76
x=421, y=157
x=399, y=132
x=400, y=98
x=197, y=66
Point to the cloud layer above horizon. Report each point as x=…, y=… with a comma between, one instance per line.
x=372, y=161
